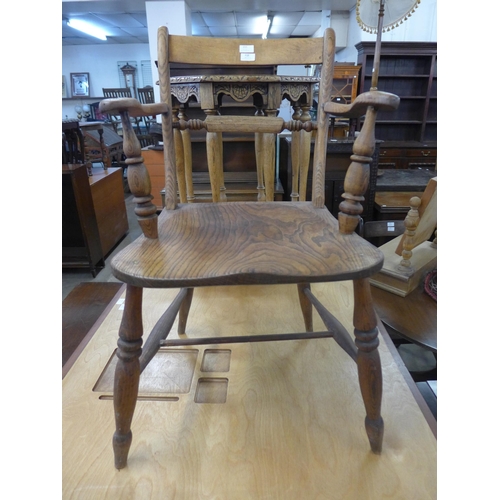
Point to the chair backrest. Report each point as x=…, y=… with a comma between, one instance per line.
x=119, y=92
x=227, y=52
x=146, y=95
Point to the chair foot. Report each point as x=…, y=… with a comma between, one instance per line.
x=121, y=447
x=375, y=432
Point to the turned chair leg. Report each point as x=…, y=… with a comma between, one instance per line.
x=369, y=369
x=306, y=306
x=127, y=373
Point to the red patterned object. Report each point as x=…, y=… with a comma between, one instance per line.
x=430, y=284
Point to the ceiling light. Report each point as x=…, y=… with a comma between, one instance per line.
x=266, y=30
x=87, y=28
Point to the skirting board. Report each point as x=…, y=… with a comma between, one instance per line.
x=279, y=420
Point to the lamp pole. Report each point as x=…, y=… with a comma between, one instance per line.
x=378, y=43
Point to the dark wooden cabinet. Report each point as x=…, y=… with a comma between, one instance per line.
x=81, y=245
x=408, y=155
x=94, y=216
x=108, y=198
x=338, y=159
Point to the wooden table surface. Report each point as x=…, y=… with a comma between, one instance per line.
x=414, y=317
x=290, y=424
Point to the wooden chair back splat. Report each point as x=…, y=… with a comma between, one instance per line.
x=228, y=54
x=244, y=243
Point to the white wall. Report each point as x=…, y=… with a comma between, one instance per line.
x=176, y=16
x=100, y=62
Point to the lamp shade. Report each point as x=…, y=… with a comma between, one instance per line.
x=396, y=11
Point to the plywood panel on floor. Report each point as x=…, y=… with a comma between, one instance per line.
x=286, y=421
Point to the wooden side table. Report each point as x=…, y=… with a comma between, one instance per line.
x=412, y=318
x=267, y=93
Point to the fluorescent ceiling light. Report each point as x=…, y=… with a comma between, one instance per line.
x=263, y=25
x=88, y=28
x=267, y=27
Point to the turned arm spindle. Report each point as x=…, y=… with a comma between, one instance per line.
x=358, y=175
x=357, y=178
x=137, y=174
x=138, y=180
x=294, y=196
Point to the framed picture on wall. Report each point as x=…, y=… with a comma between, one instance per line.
x=80, y=85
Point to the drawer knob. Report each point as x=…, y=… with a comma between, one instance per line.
x=425, y=153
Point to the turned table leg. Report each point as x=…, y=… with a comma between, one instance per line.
x=127, y=373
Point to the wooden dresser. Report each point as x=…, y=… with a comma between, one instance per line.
x=408, y=155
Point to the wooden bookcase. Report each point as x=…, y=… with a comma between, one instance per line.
x=345, y=82
x=409, y=70
x=345, y=90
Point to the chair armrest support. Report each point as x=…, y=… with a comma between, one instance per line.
x=381, y=101
x=137, y=174
x=133, y=106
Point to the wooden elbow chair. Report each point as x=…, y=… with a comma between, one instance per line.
x=193, y=245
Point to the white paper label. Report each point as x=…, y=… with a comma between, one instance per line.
x=247, y=48
x=247, y=57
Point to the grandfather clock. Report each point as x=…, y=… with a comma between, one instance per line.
x=129, y=75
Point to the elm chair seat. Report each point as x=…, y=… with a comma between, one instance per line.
x=249, y=242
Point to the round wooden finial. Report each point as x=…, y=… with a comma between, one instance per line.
x=415, y=202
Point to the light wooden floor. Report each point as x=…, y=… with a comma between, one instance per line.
x=276, y=420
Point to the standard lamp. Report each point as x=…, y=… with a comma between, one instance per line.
x=378, y=16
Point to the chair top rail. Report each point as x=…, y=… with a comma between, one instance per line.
x=244, y=52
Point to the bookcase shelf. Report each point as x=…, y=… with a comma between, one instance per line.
x=409, y=70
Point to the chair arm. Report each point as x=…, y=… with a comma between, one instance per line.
x=133, y=106
x=381, y=101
